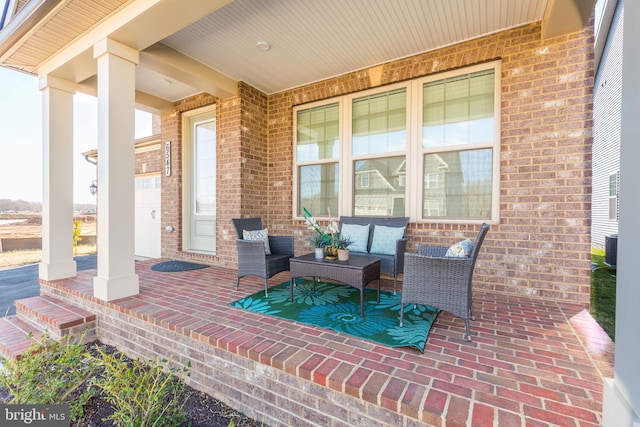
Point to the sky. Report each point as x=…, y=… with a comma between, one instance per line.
x=21, y=138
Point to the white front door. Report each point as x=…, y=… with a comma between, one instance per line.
x=147, y=217
x=200, y=181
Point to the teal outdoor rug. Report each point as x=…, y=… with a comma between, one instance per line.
x=337, y=307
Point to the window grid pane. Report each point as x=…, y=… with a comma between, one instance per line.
x=458, y=184
x=205, y=168
x=612, y=185
x=318, y=133
x=318, y=188
x=379, y=123
x=459, y=138
x=459, y=110
x=378, y=189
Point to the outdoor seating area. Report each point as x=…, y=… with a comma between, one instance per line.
x=531, y=361
x=358, y=272
x=442, y=279
x=391, y=254
x=260, y=254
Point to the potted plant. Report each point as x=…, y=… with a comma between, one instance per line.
x=343, y=243
x=328, y=234
x=318, y=243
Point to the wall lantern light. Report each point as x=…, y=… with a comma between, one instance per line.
x=93, y=188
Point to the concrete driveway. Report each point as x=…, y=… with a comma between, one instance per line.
x=22, y=282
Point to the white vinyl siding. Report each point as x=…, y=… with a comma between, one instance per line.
x=606, y=140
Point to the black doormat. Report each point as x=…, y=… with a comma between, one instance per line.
x=173, y=266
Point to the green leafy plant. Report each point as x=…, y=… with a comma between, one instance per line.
x=51, y=372
x=317, y=241
x=343, y=242
x=77, y=230
x=142, y=394
x=327, y=235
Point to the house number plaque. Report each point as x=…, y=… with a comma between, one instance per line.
x=167, y=158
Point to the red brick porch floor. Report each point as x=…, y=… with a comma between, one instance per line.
x=532, y=362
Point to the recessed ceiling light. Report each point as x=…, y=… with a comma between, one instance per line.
x=263, y=46
x=164, y=82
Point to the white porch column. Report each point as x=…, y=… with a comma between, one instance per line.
x=116, y=171
x=57, y=179
x=622, y=392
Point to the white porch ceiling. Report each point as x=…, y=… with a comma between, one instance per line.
x=312, y=40
x=193, y=46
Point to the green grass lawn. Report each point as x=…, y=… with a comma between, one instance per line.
x=603, y=294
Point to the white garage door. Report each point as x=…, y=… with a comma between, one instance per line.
x=148, y=216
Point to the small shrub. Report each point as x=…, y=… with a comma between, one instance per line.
x=51, y=372
x=77, y=230
x=141, y=394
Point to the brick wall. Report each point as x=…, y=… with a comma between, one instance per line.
x=540, y=245
x=241, y=170
x=279, y=396
x=151, y=161
x=242, y=165
x=171, y=130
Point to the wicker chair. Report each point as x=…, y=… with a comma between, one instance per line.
x=252, y=260
x=442, y=282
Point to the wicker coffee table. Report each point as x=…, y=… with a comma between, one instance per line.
x=358, y=271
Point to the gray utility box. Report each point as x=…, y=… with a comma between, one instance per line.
x=611, y=250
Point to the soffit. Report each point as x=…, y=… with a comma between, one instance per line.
x=65, y=23
x=314, y=40
x=309, y=40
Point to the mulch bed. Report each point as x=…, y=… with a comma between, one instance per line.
x=201, y=409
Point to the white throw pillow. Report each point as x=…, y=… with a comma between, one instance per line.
x=262, y=235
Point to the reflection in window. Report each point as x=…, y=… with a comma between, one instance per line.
x=380, y=123
x=318, y=188
x=464, y=183
x=364, y=180
x=205, y=168
x=458, y=116
x=383, y=195
x=435, y=138
x=431, y=180
x=432, y=207
x=459, y=110
x=317, y=133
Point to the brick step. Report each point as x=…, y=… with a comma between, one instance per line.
x=58, y=318
x=16, y=336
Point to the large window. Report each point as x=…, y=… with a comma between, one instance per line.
x=458, y=134
x=317, y=153
x=427, y=148
x=379, y=128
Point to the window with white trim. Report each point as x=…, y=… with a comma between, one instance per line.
x=378, y=147
x=426, y=148
x=458, y=134
x=364, y=180
x=317, y=155
x=613, y=197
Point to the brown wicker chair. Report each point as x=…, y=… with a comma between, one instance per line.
x=431, y=278
x=252, y=261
